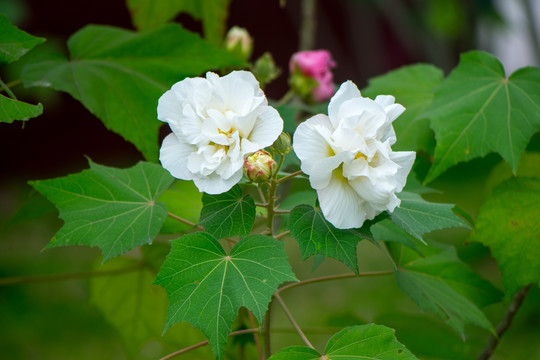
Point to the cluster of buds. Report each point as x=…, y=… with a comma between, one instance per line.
x=259, y=166
x=311, y=75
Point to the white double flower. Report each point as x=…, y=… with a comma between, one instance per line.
x=216, y=122
x=349, y=159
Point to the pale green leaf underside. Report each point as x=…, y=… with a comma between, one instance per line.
x=418, y=217
x=119, y=75
x=113, y=209
x=11, y=110
x=509, y=223
x=14, y=43
x=151, y=14
x=442, y=284
x=412, y=86
x=206, y=287
x=228, y=214
x=476, y=110
x=370, y=341
x=316, y=236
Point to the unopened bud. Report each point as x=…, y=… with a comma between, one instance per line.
x=259, y=166
x=311, y=76
x=239, y=41
x=282, y=144
x=265, y=69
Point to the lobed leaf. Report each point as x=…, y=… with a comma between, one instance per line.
x=442, y=284
x=206, y=287
x=113, y=209
x=370, y=341
x=412, y=86
x=228, y=214
x=418, y=217
x=14, y=43
x=316, y=236
x=477, y=110
x=150, y=14
x=11, y=110
x=508, y=223
x=119, y=75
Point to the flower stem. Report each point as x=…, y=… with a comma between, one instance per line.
x=185, y=221
x=71, y=276
x=333, y=277
x=204, y=343
x=293, y=322
x=505, y=323
x=7, y=90
x=290, y=176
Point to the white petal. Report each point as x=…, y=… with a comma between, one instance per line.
x=385, y=100
x=174, y=156
x=376, y=194
x=215, y=184
x=267, y=127
x=169, y=109
x=341, y=205
x=311, y=141
x=346, y=91
x=322, y=173
x=405, y=160
x=393, y=111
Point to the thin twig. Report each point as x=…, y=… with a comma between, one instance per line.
x=505, y=323
x=308, y=25
x=70, y=276
x=333, y=277
x=255, y=335
x=293, y=322
x=279, y=236
x=281, y=212
x=7, y=90
x=185, y=221
x=261, y=205
x=290, y=176
x=204, y=343
x=261, y=193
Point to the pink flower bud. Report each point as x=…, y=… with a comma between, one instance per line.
x=259, y=166
x=316, y=65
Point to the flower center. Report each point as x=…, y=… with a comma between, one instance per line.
x=360, y=155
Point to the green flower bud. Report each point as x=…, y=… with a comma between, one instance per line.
x=282, y=144
x=265, y=69
x=239, y=41
x=259, y=166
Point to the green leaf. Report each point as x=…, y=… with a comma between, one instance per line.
x=11, y=110
x=125, y=300
x=370, y=341
x=206, y=287
x=113, y=209
x=315, y=235
x=509, y=224
x=119, y=75
x=387, y=231
x=151, y=14
x=476, y=110
x=14, y=43
x=182, y=199
x=412, y=86
x=228, y=214
x=418, y=217
x=442, y=284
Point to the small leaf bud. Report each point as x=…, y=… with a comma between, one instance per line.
x=282, y=144
x=239, y=41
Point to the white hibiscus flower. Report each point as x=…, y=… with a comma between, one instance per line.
x=348, y=158
x=216, y=122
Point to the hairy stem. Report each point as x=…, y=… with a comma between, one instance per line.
x=7, y=90
x=505, y=323
x=333, y=277
x=293, y=322
x=185, y=221
x=255, y=335
x=204, y=343
x=71, y=276
x=290, y=176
